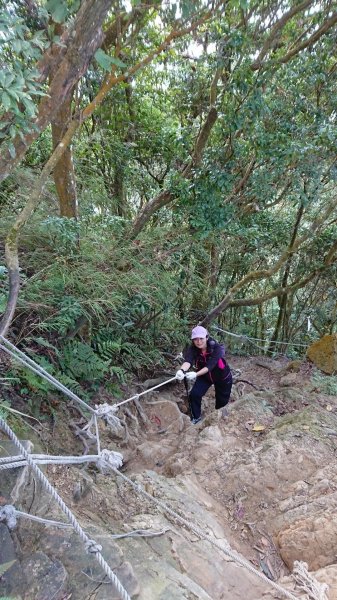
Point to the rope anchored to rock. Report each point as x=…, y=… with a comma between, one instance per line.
x=90, y=544
x=110, y=460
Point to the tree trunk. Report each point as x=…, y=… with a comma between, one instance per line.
x=64, y=173
x=283, y=300
x=165, y=197
x=85, y=38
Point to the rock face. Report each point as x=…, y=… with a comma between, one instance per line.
x=262, y=483
x=323, y=354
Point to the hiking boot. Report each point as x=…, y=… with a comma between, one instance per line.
x=195, y=421
x=224, y=412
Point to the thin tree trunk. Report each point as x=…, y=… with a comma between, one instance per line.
x=64, y=173
x=86, y=37
x=284, y=297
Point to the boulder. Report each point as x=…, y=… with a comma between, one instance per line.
x=323, y=353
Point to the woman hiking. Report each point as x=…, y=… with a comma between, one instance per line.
x=208, y=358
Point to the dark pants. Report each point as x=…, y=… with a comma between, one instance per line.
x=202, y=384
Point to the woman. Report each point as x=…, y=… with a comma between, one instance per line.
x=208, y=357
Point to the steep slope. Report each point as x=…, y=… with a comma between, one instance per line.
x=261, y=482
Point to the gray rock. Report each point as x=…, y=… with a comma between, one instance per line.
x=44, y=578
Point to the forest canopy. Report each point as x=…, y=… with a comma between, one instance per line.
x=165, y=163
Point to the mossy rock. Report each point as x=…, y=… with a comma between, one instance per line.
x=323, y=354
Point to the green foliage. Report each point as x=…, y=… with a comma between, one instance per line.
x=70, y=310
x=4, y=405
x=19, y=86
x=99, y=307
x=60, y=10
x=80, y=362
x=326, y=384
x=62, y=233
x=105, y=61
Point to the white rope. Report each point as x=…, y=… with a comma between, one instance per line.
x=8, y=514
x=233, y=555
x=137, y=396
x=103, y=410
x=37, y=519
x=90, y=544
x=139, y=533
x=18, y=355
x=106, y=456
x=106, y=459
x=314, y=589
x=246, y=337
x=109, y=460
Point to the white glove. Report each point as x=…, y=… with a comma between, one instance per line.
x=191, y=376
x=180, y=375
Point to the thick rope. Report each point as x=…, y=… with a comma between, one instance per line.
x=90, y=544
x=8, y=514
x=110, y=457
x=18, y=355
x=101, y=410
x=137, y=396
x=233, y=555
x=314, y=589
x=110, y=460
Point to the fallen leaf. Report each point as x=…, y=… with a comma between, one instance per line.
x=258, y=427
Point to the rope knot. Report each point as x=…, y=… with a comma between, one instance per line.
x=92, y=547
x=104, y=409
x=8, y=515
x=308, y=583
x=107, y=413
x=109, y=458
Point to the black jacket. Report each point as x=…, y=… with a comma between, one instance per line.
x=213, y=359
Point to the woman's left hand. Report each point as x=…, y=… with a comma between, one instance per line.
x=191, y=376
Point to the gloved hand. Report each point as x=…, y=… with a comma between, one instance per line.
x=180, y=375
x=191, y=376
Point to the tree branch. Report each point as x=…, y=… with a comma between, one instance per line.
x=265, y=273
x=311, y=40
x=279, y=25
x=84, y=43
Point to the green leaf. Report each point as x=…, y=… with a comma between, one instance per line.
x=29, y=106
x=187, y=8
x=58, y=10
x=17, y=45
x=118, y=62
x=3, y=303
x=12, y=150
x=105, y=61
x=6, y=101
x=11, y=92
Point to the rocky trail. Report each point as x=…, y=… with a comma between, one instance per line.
x=262, y=482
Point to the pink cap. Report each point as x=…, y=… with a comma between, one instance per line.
x=199, y=332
